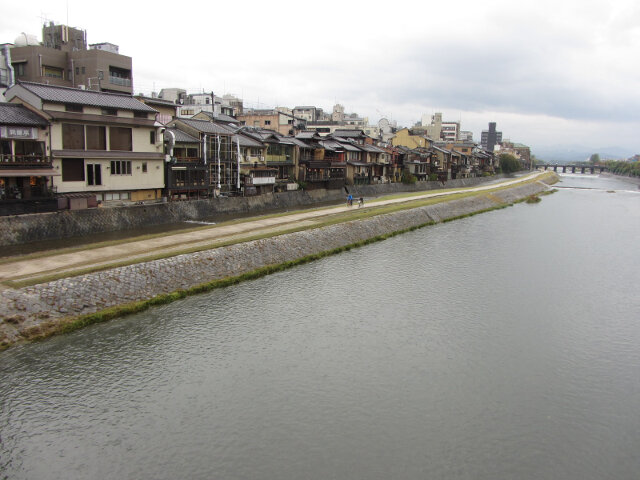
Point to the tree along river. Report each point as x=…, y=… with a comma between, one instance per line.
x=503, y=345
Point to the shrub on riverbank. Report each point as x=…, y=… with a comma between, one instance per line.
x=509, y=163
x=409, y=179
x=629, y=169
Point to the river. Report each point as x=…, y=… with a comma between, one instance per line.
x=503, y=345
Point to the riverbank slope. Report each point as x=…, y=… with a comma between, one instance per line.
x=41, y=308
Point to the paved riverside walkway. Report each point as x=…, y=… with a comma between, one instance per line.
x=81, y=259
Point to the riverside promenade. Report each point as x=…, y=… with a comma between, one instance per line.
x=91, y=258
x=42, y=293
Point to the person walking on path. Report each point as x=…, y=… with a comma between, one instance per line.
x=360, y=202
x=349, y=200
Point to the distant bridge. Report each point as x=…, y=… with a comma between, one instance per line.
x=573, y=168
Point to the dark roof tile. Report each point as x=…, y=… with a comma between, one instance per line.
x=16, y=114
x=57, y=94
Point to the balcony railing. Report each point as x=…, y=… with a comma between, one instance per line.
x=123, y=82
x=317, y=177
x=24, y=160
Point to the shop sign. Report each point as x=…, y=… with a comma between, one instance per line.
x=19, y=133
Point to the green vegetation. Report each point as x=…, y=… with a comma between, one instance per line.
x=629, y=169
x=71, y=324
x=408, y=178
x=329, y=219
x=533, y=199
x=509, y=163
x=595, y=158
x=433, y=177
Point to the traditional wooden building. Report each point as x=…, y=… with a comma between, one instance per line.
x=26, y=172
x=103, y=144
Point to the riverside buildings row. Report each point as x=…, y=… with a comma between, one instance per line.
x=65, y=144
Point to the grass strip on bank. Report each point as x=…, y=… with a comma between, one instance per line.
x=327, y=220
x=70, y=324
x=151, y=236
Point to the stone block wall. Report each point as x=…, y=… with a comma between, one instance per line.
x=19, y=229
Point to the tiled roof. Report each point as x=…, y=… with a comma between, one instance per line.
x=220, y=117
x=348, y=133
x=331, y=145
x=206, y=126
x=183, y=137
x=56, y=94
x=371, y=148
x=247, y=141
x=298, y=142
x=350, y=147
x=15, y=114
x=307, y=135
x=156, y=101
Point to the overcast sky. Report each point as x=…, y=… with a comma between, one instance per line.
x=562, y=72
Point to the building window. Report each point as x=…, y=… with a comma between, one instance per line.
x=144, y=167
x=72, y=107
x=77, y=71
x=152, y=137
x=117, y=196
x=72, y=136
x=120, y=167
x=140, y=115
x=120, y=139
x=20, y=69
x=119, y=76
x=73, y=170
x=52, y=72
x=96, y=137
x=83, y=71
x=94, y=174
x=267, y=122
x=110, y=111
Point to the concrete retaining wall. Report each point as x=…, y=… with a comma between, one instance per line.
x=18, y=229
x=27, y=307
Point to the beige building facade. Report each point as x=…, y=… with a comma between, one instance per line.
x=102, y=144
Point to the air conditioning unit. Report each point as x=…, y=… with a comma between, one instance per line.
x=82, y=87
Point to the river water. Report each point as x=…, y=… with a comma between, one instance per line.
x=503, y=345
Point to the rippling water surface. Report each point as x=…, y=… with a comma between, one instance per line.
x=504, y=345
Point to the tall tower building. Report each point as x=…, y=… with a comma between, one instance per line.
x=490, y=138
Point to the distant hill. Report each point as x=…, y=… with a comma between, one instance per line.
x=578, y=153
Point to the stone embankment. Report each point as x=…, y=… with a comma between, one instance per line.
x=41, y=309
x=18, y=229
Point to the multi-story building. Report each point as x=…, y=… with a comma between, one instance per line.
x=450, y=131
x=309, y=113
x=466, y=136
x=326, y=124
x=273, y=119
x=437, y=129
x=25, y=166
x=490, y=138
x=521, y=151
x=166, y=109
x=411, y=139
x=64, y=58
x=6, y=70
x=103, y=144
x=193, y=103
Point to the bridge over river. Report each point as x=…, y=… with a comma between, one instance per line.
x=576, y=168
